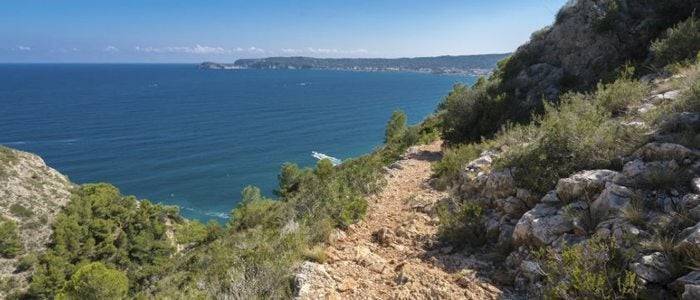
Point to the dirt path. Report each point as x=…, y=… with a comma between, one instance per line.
x=393, y=252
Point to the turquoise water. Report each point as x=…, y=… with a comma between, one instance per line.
x=179, y=135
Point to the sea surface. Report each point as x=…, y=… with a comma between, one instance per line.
x=179, y=135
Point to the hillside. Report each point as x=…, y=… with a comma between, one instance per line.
x=593, y=193
x=31, y=194
x=463, y=64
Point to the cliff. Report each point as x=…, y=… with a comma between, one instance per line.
x=31, y=194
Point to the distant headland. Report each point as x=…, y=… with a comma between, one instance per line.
x=462, y=64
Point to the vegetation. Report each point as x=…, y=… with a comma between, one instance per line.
x=681, y=43
x=101, y=225
x=10, y=243
x=596, y=269
x=573, y=136
x=453, y=161
x=470, y=113
x=96, y=281
x=463, y=226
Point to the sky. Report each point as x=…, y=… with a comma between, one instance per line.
x=176, y=31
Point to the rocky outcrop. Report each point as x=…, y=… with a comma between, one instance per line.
x=31, y=194
x=607, y=35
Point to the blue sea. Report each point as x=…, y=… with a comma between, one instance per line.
x=179, y=135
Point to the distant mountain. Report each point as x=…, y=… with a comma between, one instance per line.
x=462, y=64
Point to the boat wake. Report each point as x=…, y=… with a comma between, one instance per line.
x=320, y=156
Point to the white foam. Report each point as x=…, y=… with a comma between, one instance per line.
x=320, y=156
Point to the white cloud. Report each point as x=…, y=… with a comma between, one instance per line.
x=110, y=49
x=256, y=49
x=23, y=48
x=197, y=49
x=313, y=50
x=290, y=50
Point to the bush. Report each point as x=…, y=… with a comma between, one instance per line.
x=21, y=211
x=191, y=232
x=596, y=269
x=101, y=225
x=617, y=96
x=453, y=161
x=471, y=113
x=575, y=135
x=463, y=226
x=96, y=281
x=10, y=243
x=254, y=210
x=681, y=43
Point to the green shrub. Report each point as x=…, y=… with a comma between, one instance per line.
x=615, y=97
x=26, y=262
x=395, y=128
x=575, y=135
x=101, y=225
x=471, y=113
x=96, y=281
x=681, y=43
x=191, y=232
x=608, y=17
x=453, y=161
x=463, y=226
x=596, y=269
x=254, y=210
x=21, y=211
x=10, y=243
x=429, y=129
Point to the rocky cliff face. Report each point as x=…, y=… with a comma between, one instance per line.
x=654, y=197
x=31, y=194
x=590, y=40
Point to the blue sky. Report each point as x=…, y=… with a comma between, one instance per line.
x=193, y=31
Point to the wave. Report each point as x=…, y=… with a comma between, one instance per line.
x=320, y=156
x=47, y=142
x=216, y=214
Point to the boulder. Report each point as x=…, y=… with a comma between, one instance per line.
x=638, y=173
x=680, y=122
x=663, y=151
x=310, y=279
x=695, y=184
x=653, y=268
x=613, y=198
x=369, y=260
x=512, y=206
x=488, y=185
x=531, y=270
x=690, y=237
x=583, y=185
x=692, y=278
x=541, y=225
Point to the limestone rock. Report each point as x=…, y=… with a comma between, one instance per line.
x=583, y=185
x=541, y=225
x=309, y=279
x=690, y=237
x=653, y=268
x=531, y=270
x=613, y=198
x=692, y=278
x=369, y=260
x=663, y=151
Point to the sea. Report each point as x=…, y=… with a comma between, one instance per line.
x=179, y=135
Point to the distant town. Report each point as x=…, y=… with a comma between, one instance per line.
x=462, y=64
